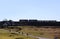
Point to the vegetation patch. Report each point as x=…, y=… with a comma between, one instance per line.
x=19, y=38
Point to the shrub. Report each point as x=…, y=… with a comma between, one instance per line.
x=41, y=33
x=19, y=38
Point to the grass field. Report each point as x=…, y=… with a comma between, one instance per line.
x=35, y=31
x=5, y=34
x=42, y=32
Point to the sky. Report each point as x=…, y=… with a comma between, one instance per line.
x=30, y=9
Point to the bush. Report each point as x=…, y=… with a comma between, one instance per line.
x=41, y=33
x=19, y=38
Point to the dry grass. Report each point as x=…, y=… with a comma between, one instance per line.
x=35, y=31
x=5, y=34
x=42, y=32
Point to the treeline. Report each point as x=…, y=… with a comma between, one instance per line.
x=29, y=23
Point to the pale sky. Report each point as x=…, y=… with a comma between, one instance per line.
x=30, y=9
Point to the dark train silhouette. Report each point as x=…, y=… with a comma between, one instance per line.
x=25, y=22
